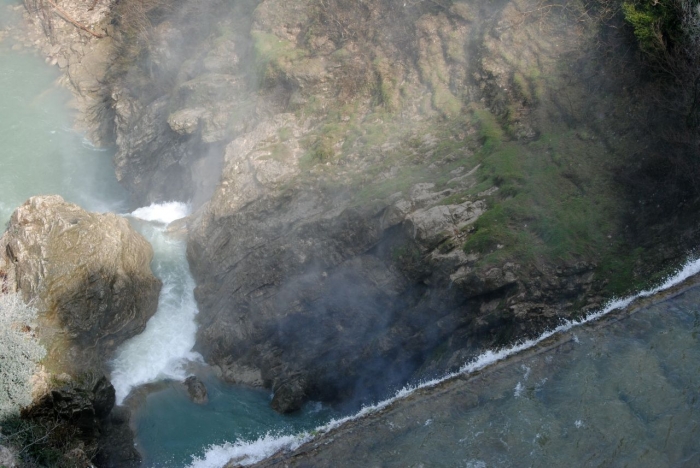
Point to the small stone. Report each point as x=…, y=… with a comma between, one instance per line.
x=196, y=390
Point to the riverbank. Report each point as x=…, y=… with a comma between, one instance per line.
x=461, y=416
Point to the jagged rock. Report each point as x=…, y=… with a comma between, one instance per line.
x=239, y=374
x=196, y=390
x=433, y=225
x=289, y=395
x=186, y=121
x=116, y=445
x=91, y=421
x=88, y=274
x=104, y=397
x=485, y=282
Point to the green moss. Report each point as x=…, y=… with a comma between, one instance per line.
x=490, y=130
x=446, y=102
x=654, y=22
x=554, y=204
x=273, y=55
x=285, y=134
x=522, y=87
x=279, y=152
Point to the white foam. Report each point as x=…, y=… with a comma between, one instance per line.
x=249, y=452
x=164, y=213
x=518, y=392
x=165, y=346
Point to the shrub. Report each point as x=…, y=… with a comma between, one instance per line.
x=20, y=352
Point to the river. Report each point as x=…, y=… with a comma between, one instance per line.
x=625, y=394
x=43, y=154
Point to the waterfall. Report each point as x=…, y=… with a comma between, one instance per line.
x=165, y=346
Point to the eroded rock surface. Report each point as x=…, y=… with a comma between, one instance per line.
x=349, y=164
x=86, y=415
x=87, y=274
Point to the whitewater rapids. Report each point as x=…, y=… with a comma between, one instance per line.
x=165, y=346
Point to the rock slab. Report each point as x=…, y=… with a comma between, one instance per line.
x=88, y=274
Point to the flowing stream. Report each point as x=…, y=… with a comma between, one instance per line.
x=40, y=154
x=626, y=394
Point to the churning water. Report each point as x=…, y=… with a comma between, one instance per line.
x=40, y=154
x=165, y=346
x=626, y=394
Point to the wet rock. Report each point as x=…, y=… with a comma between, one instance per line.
x=116, y=445
x=104, y=397
x=239, y=374
x=88, y=274
x=91, y=423
x=196, y=390
x=289, y=395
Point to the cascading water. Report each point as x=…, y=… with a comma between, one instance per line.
x=162, y=350
x=41, y=154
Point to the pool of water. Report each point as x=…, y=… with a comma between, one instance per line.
x=171, y=428
x=41, y=153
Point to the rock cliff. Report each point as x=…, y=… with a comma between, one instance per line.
x=87, y=274
x=89, y=277
x=383, y=188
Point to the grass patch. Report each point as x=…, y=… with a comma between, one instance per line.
x=490, y=131
x=554, y=203
x=273, y=55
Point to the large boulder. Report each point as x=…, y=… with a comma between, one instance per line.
x=93, y=429
x=87, y=274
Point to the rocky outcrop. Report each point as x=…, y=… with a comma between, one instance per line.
x=85, y=418
x=349, y=163
x=316, y=292
x=88, y=275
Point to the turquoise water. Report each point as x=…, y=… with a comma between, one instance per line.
x=40, y=154
x=40, y=151
x=171, y=428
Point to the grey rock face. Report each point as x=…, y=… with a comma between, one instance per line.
x=88, y=274
x=316, y=299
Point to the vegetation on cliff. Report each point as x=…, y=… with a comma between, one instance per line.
x=474, y=171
